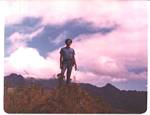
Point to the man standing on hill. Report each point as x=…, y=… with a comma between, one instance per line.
x=67, y=59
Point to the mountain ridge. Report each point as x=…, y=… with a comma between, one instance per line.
x=121, y=100
x=21, y=79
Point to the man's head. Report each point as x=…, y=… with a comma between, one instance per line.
x=68, y=42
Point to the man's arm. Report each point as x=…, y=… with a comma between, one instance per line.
x=75, y=65
x=61, y=60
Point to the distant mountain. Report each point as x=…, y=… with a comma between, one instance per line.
x=121, y=101
x=14, y=80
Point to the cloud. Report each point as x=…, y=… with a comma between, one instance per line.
x=53, y=36
x=28, y=62
x=27, y=25
x=113, y=54
x=109, y=37
x=99, y=12
x=61, y=38
x=17, y=39
x=101, y=59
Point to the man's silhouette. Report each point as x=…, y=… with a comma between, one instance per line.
x=67, y=59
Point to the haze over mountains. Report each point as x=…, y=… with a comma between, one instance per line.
x=119, y=101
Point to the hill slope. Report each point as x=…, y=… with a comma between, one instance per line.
x=120, y=101
x=66, y=99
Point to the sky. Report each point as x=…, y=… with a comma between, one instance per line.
x=109, y=39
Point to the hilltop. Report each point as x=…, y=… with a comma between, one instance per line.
x=66, y=99
x=44, y=95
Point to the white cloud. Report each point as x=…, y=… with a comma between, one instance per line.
x=27, y=60
x=110, y=55
x=100, y=12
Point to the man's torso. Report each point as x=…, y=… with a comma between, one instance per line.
x=67, y=53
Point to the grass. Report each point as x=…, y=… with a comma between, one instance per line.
x=65, y=99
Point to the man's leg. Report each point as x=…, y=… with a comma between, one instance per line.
x=69, y=70
x=63, y=69
x=61, y=77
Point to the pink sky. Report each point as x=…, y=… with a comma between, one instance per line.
x=101, y=58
